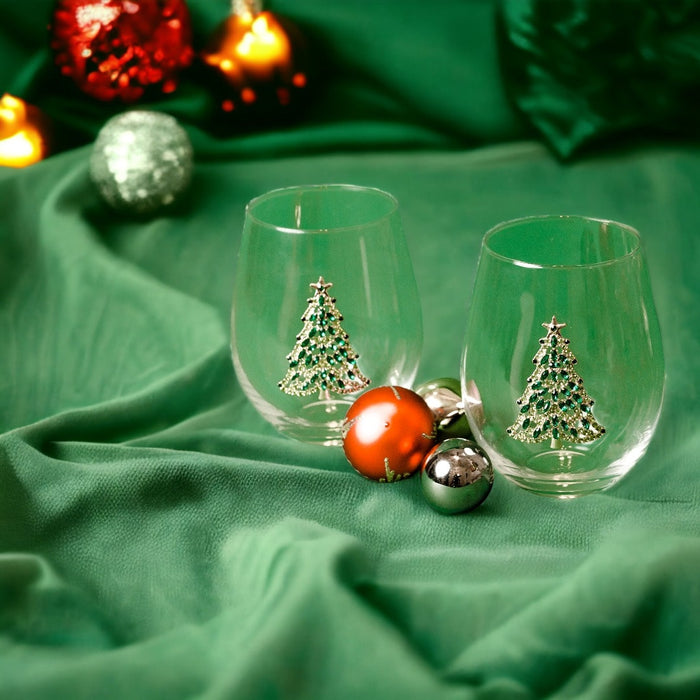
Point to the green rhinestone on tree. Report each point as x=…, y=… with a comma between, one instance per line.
x=541, y=416
x=322, y=368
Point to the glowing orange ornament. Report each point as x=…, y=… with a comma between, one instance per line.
x=387, y=432
x=22, y=139
x=257, y=62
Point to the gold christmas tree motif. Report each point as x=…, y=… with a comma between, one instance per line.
x=322, y=359
x=555, y=406
x=391, y=475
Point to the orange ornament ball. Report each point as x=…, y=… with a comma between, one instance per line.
x=387, y=432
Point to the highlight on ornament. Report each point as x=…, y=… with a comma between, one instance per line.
x=22, y=139
x=118, y=49
x=258, y=61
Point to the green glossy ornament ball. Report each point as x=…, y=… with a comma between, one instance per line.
x=444, y=398
x=456, y=476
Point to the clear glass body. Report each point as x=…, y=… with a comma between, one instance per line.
x=304, y=350
x=562, y=410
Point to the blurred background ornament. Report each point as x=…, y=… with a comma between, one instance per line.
x=23, y=133
x=444, y=397
x=387, y=433
x=457, y=476
x=257, y=64
x=141, y=161
x=118, y=49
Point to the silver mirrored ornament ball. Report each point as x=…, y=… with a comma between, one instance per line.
x=141, y=161
x=457, y=476
x=444, y=397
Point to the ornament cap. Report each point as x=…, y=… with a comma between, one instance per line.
x=246, y=7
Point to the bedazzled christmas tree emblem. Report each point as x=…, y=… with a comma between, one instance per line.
x=555, y=406
x=322, y=359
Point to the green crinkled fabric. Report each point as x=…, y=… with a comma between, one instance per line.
x=158, y=539
x=586, y=71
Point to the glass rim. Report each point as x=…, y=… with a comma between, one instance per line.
x=510, y=223
x=281, y=191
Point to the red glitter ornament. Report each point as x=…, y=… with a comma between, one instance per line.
x=387, y=433
x=117, y=49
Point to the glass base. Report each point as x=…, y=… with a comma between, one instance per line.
x=319, y=422
x=560, y=474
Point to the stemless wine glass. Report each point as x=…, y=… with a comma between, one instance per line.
x=563, y=371
x=325, y=304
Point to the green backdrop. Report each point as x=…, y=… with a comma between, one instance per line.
x=159, y=539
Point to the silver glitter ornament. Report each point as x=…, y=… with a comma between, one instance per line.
x=141, y=161
x=457, y=476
